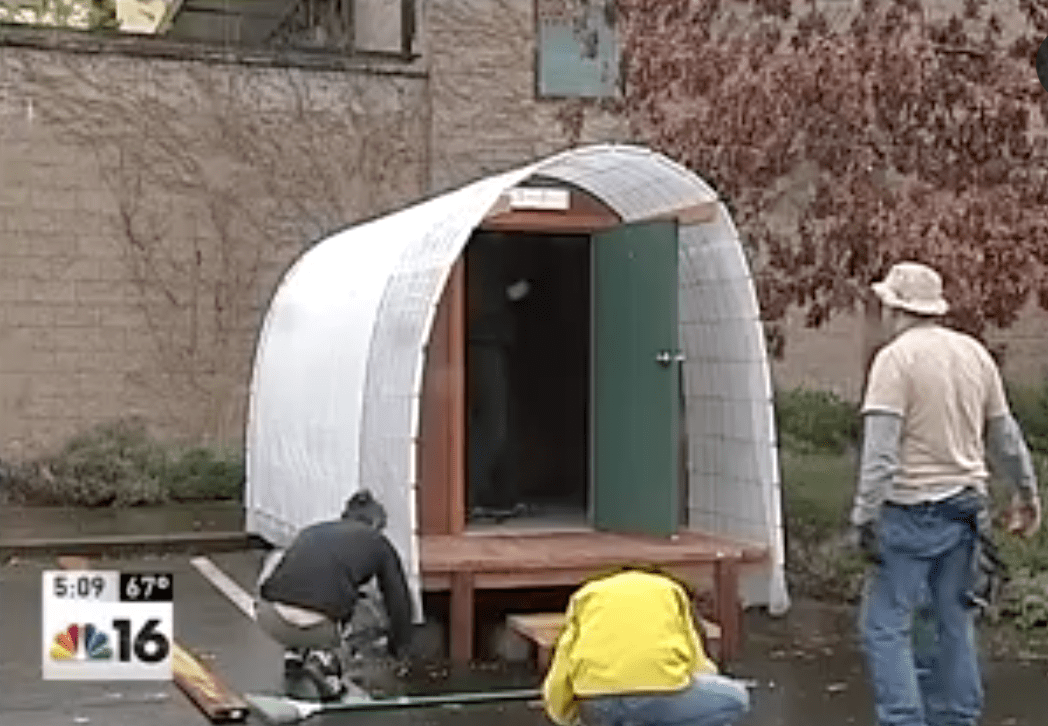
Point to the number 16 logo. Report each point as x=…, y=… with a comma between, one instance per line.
x=109, y=641
x=149, y=644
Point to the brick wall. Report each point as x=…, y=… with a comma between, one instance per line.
x=486, y=117
x=1024, y=347
x=831, y=358
x=148, y=207
x=131, y=293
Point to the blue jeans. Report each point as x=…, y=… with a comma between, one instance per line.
x=710, y=700
x=926, y=552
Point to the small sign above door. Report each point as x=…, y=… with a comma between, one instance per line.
x=540, y=198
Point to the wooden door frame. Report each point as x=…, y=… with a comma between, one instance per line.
x=441, y=493
x=442, y=445
x=442, y=449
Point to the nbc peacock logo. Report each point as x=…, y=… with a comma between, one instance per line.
x=78, y=642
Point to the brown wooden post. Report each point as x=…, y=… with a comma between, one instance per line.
x=461, y=635
x=457, y=398
x=442, y=449
x=726, y=594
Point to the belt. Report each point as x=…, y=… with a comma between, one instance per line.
x=968, y=491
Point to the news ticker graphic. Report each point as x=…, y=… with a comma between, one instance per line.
x=107, y=625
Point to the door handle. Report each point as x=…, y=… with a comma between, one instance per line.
x=664, y=358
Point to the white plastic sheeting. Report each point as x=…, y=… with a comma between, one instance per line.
x=335, y=394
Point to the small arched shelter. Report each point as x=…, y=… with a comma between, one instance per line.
x=360, y=377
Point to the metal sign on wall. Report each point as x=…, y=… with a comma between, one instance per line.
x=578, y=51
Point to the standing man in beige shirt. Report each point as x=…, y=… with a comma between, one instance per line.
x=934, y=408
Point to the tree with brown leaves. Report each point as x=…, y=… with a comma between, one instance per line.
x=845, y=142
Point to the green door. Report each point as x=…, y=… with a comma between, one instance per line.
x=635, y=379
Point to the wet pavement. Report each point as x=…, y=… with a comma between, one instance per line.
x=805, y=667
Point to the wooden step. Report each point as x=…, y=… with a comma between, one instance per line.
x=543, y=629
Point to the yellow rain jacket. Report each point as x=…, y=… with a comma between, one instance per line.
x=629, y=632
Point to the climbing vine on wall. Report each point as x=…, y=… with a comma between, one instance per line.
x=220, y=176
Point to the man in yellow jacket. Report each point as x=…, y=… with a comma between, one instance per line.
x=630, y=653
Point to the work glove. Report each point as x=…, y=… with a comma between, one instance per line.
x=1024, y=514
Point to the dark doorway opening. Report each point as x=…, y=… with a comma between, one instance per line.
x=527, y=378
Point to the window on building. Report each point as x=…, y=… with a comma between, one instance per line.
x=343, y=26
x=578, y=50
x=132, y=16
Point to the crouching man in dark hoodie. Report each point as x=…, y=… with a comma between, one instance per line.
x=311, y=599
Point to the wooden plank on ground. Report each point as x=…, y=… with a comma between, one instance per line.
x=205, y=689
x=543, y=629
x=74, y=562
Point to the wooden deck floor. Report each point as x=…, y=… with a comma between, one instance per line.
x=464, y=563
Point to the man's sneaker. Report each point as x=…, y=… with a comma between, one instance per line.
x=326, y=660
x=293, y=662
x=325, y=672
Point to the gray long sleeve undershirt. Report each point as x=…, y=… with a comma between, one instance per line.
x=1006, y=448
x=1005, y=445
x=880, y=462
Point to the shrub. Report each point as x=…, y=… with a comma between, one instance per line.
x=816, y=428
x=1025, y=599
x=817, y=493
x=810, y=421
x=1030, y=407
x=120, y=464
x=202, y=474
x=115, y=463
x=821, y=566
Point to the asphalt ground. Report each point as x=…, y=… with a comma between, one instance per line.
x=804, y=668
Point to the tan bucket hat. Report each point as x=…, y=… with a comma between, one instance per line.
x=913, y=287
